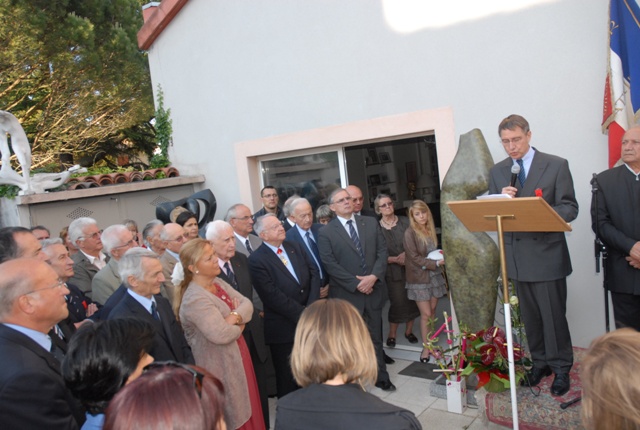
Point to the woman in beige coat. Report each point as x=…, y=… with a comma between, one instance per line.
x=213, y=315
x=425, y=283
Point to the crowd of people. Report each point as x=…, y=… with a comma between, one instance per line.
x=106, y=328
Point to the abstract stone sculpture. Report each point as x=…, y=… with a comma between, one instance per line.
x=473, y=261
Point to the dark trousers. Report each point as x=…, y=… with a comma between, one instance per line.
x=543, y=306
x=626, y=310
x=281, y=353
x=373, y=318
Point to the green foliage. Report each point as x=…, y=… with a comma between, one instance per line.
x=164, y=130
x=9, y=191
x=71, y=71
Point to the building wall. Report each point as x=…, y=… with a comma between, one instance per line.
x=242, y=71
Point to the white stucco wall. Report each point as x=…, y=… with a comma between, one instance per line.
x=233, y=71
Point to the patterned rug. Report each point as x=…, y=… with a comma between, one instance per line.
x=540, y=412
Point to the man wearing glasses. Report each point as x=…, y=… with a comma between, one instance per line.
x=172, y=235
x=239, y=217
x=117, y=239
x=270, y=200
x=354, y=253
x=33, y=395
x=85, y=234
x=542, y=293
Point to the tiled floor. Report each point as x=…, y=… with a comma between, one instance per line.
x=413, y=394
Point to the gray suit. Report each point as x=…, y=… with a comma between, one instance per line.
x=539, y=262
x=341, y=260
x=254, y=241
x=168, y=262
x=83, y=273
x=105, y=282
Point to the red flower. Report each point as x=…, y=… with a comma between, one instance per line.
x=488, y=354
x=538, y=192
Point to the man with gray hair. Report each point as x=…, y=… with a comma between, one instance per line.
x=151, y=236
x=234, y=269
x=141, y=273
x=172, y=236
x=85, y=234
x=286, y=210
x=117, y=239
x=239, y=217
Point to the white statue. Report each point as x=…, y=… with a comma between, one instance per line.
x=9, y=125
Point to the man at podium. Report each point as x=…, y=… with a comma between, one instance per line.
x=539, y=262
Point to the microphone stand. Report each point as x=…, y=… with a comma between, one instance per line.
x=600, y=250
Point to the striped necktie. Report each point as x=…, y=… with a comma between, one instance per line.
x=356, y=242
x=522, y=175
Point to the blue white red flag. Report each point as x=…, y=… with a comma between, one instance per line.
x=621, y=100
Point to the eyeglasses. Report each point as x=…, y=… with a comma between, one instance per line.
x=269, y=196
x=59, y=284
x=386, y=205
x=131, y=242
x=197, y=376
x=94, y=236
x=343, y=200
x=514, y=140
x=244, y=218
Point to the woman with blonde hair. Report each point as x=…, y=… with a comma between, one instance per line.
x=425, y=282
x=333, y=360
x=213, y=316
x=610, y=385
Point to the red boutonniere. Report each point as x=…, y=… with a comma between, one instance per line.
x=538, y=192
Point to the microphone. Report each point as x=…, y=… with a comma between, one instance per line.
x=594, y=183
x=515, y=170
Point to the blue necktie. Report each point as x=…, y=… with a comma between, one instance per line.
x=522, y=175
x=248, y=245
x=356, y=242
x=154, y=311
x=230, y=275
x=314, y=249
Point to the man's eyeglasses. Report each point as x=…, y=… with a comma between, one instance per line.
x=197, y=376
x=59, y=284
x=386, y=205
x=343, y=200
x=94, y=236
x=128, y=244
x=515, y=140
x=269, y=196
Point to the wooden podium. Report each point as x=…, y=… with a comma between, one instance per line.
x=525, y=214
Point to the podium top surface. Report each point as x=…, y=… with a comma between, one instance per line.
x=525, y=214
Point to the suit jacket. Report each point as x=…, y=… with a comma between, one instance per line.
x=342, y=260
x=77, y=303
x=215, y=344
x=254, y=241
x=284, y=298
x=369, y=212
x=105, y=282
x=293, y=235
x=618, y=217
x=169, y=343
x=105, y=311
x=67, y=329
x=254, y=330
x=168, y=264
x=83, y=272
x=539, y=256
x=32, y=392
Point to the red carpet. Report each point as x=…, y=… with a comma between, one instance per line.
x=542, y=412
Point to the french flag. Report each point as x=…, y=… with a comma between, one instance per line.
x=621, y=102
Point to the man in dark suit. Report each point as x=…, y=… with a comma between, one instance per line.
x=616, y=219
x=234, y=269
x=305, y=232
x=354, y=252
x=270, y=200
x=287, y=280
x=85, y=234
x=539, y=262
x=141, y=272
x=32, y=391
x=358, y=202
x=239, y=217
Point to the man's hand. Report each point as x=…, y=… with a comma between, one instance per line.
x=635, y=251
x=92, y=309
x=324, y=292
x=633, y=262
x=400, y=259
x=510, y=190
x=366, y=283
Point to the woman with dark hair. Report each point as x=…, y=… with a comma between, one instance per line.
x=401, y=309
x=189, y=222
x=101, y=359
x=213, y=315
x=169, y=396
x=333, y=360
x=425, y=282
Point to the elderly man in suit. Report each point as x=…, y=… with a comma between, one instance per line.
x=117, y=239
x=85, y=234
x=358, y=202
x=172, y=235
x=305, y=232
x=234, y=269
x=542, y=293
x=239, y=217
x=615, y=217
x=141, y=272
x=32, y=394
x=287, y=280
x=354, y=252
